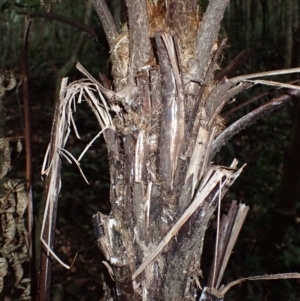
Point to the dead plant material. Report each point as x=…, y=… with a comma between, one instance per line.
x=15, y=248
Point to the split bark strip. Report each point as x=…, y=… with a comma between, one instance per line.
x=139, y=41
x=191, y=236
x=239, y=220
x=226, y=227
x=209, y=294
x=180, y=114
x=195, y=111
x=141, y=155
x=196, y=160
x=119, y=210
x=192, y=126
x=169, y=128
x=199, y=199
x=230, y=227
x=208, y=33
x=53, y=183
x=129, y=150
x=141, y=151
x=107, y=20
x=139, y=217
x=251, y=118
x=215, y=100
x=262, y=277
x=155, y=95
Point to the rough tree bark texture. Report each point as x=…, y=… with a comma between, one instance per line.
x=163, y=186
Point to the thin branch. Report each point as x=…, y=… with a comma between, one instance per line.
x=28, y=152
x=263, y=74
x=208, y=33
x=107, y=21
x=273, y=84
x=83, y=27
x=262, y=277
x=229, y=112
x=251, y=118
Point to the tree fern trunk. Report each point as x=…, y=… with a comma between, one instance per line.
x=159, y=149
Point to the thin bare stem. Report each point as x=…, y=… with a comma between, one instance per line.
x=251, y=118
x=107, y=21
x=263, y=74
x=208, y=32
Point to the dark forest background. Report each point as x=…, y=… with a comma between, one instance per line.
x=267, y=33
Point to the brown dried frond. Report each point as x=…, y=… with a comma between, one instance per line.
x=120, y=58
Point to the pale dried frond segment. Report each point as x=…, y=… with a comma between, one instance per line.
x=87, y=90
